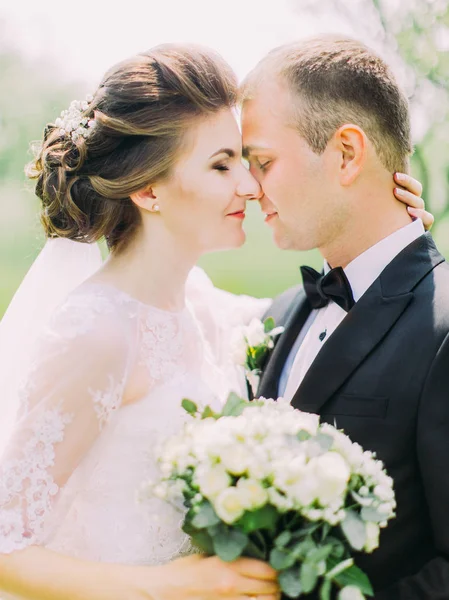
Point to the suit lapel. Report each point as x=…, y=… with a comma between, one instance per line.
x=293, y=323
x=367, y=324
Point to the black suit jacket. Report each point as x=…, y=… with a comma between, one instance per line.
x=383, y=376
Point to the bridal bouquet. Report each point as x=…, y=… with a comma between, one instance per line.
x=264, y=480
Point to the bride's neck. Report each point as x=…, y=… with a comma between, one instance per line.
x=151, y=270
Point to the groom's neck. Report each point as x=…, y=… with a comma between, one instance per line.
x=370, y=223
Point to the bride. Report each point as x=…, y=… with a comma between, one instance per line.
x=97, y=357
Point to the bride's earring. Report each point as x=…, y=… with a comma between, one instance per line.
x=155, y=207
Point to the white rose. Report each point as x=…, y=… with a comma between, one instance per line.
x=350, y=592
x=229, y=505
x=332, y=475
x=255, y=333
x=253, y=493
x=235, y=458
x=212, y=481
x=372, y=536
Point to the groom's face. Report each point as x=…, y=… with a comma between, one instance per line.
x=300, y=187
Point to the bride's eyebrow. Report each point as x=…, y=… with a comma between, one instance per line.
x=229, y=151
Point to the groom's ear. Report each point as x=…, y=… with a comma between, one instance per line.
x=351, y=143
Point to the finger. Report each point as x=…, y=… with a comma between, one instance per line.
x=409, y=183
x=409, y=198
x=427, y=218
x=257, y=569
x=257, y=587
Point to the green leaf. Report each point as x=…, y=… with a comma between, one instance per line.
x=283, y=539
x=262, y=518
x=303, y=435
x=336, y=567
x=325, y=590
x=234, y=406
x=308, y=575
x=269, y=324
x=205, y=516
x=189, y=406
x=325, y=441
x=290, y=582
x=371, y=514
x=208, y=412
x=355, y=576
x=301, y=549
x=201, y=539
x=281, y=559
x=318, y=554
x=229, y=543
x=354, y=529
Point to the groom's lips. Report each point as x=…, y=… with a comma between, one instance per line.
x=270, y=216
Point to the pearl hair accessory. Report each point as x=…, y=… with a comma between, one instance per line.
x=73, y=123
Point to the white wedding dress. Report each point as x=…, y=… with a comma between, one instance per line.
x=106, y=386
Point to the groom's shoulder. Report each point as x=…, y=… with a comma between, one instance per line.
x=284, y=303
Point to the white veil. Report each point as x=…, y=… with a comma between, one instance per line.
x=61, y=266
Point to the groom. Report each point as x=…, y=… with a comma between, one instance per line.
x=367, y=344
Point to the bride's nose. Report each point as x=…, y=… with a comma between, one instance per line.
x=249, y=187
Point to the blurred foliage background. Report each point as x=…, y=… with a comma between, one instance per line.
x=413, y=35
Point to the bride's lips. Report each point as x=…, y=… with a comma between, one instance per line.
x=239, y=214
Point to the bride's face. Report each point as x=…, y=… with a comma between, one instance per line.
x=203, y=202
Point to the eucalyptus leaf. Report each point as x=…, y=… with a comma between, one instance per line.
x=301, y=549
x=189, y=406
x=354, y=529
x=229, y=543
x=325, y=441
x=371, y=514
x=318, y=554
x=202, y=540
x=290, y=582
x=234, y=406
x=281, y=559
x=205, y=516
x=283, y=539
x=308, y=575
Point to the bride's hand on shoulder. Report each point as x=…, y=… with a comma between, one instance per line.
x=409, y=193
x=199, y=577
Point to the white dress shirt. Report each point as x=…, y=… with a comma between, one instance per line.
x=322, y=322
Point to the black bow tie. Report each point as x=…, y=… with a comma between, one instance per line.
x=320, y=289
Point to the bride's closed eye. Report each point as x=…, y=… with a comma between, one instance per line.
x=221, y=167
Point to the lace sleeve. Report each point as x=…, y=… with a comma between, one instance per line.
x=75, y=384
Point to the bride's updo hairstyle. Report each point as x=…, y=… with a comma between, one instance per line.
x=140, y=114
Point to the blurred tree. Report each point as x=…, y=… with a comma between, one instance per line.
x=413, y=35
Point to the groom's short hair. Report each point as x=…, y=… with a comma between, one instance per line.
x=335, y=81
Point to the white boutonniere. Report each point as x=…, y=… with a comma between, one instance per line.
x=250, y=346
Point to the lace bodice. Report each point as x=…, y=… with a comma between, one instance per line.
x=105, y=387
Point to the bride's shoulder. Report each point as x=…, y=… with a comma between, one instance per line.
x=95, y=311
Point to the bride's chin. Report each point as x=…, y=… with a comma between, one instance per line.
x=229, y=243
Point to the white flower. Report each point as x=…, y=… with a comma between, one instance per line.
x=212, y=480
x=234, y=458
x=254, y=495
x=238, y=347
x=384, y=492
x=350, y=592
x=253, y=379
x=332, y=475
x=255, y=333
x=229, y=505
x=372, y=536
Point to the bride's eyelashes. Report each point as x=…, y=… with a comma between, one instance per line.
x=221, y=167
